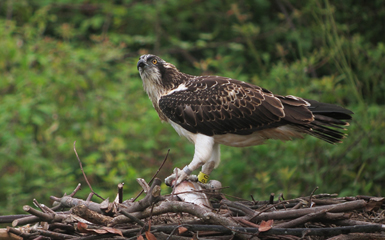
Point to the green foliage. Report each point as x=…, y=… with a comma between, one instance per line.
x=68, y=73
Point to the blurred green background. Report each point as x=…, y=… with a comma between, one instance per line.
x=68, y=73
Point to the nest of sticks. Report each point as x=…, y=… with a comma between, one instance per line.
x=198, y=211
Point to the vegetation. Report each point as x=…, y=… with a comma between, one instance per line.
x=68, y=73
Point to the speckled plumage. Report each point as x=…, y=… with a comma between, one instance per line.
x=232, y=112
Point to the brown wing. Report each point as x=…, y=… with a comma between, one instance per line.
x=215, y=105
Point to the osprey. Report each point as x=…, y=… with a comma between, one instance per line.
x=214, y=110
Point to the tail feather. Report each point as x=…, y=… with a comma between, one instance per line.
x=327, y=119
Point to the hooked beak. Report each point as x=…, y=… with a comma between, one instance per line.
x=140, y=64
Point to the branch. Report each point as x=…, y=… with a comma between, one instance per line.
x=152, y=196
x=89, y=215
x=153, y=177
x=341, y=207
x=84, y=174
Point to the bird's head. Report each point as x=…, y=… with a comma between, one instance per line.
x=151, y=66
x=158, y=76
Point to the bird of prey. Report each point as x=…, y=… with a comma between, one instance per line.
x=214, y=110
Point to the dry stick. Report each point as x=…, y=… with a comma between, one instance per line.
x=37, y=204
x=153, y=177
x=134, y=219
x=71, y=195
x=20, y=233
x=271, y=200
x=245, y=222
x=203, y=213
x=89, y=215
x=120, y=192
x=85, y=177
x=331, y=231
x=248, y=211
x=302, y=220
x=172, y=232
x=359, y=236
x=76, y=190
x=296, y=200
x=153, y=196
x=264, y=210
x=298, y=205
x=25, y=220
x=51, y=234
x=11, y=218
x=228, y=195
x=311, y=195
x=47, y=217
x=62, y=226
x=89, y=197
x=252, y=198
x=110, y=236
x=341, y=207
x=178, y=207
x=69, y=202
x=349, y=222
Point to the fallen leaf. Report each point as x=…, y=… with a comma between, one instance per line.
x=150, y=236
x=140, y=237
x=182, y=230
x=265, y=225
x=82, y=227
x=374, y=204
x=113, y=230
x=98, y=231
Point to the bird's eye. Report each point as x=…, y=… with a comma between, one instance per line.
x=154, y=61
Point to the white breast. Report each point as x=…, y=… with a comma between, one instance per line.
x=183, y=132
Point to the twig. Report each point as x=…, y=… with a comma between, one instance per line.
x=25, y=220
x=271, y=200
x=152, y=196
x=57, y=207
x=84, y=174
x=69, y=202
x=89, y=197
x=76, y=189
x=359, y=236
x=51, y=234
x=48, y=217
x=20, y=233
x=252, y=198
x=349, y=222
x=173, y=231
x=11, y=218
x=311, y=195
x=177, y=207
x=37, y=204
x=341, y=207
x=153, y=177
x=302, y=220
x=134, y=219
x=248, y=211
x=89, y=215
x=328, y=231
x=120, y=192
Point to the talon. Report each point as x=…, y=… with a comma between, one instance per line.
x=182, y=175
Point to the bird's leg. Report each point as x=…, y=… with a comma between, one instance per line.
x=209, y=166
x=204, y=146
